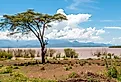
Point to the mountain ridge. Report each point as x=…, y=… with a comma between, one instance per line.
x=51, y=43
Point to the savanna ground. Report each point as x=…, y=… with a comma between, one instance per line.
x=67, y=68
x=62, y=70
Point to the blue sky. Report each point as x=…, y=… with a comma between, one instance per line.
x=105, y=16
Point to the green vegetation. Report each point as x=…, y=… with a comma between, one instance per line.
x=58, y=55
x=67, y=68
x=70, y=53
x=92, y=80
x=50, y=52
x=31, y=21
x=73, y=75
x=6, y=69
x=112, y=72
x=5, y=55
x=24, y=53
x=110, y=61
x=19, y=77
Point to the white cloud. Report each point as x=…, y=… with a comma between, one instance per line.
x=116, y=40
x=76, y=3
x=1, y=16
x=118, y=28
x=70, y=29
x=3, y=35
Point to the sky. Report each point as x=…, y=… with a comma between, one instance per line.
x=88, y=20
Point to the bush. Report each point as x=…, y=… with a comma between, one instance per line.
x=5, y=55
x=1, y=65
x=16, y=67
x=7, y=69
x=67, y=68
x=73, y=75
x=89, y=79
x=32, y=53
x=116, y=57
x=112, y=72
x=50, y=52
x=58, y=55
x=70, y=53
x=42, y=68
x=18, y=77
x=18, y=53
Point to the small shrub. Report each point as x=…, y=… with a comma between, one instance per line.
x=116, y=57
x=16, y=67
x=70, y=53
x=67, y=68
x=89, y=79
x=32, y=53
x=112, y=72
x=18, y=77
x=7, y=69
x=1, y=65
x=81, y=64
x=54, y=58
x=5, y=55
x=73, y=75
x=89, y=64
x=50, y=52
x=58, y=55
x=64, y=57
x=42, y=68
x=18, y=53
x=89, y=59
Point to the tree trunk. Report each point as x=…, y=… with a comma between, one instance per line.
x=43, y=52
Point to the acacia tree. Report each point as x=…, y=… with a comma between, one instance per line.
x=31, y=21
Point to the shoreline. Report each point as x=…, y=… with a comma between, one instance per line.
x=84, y=52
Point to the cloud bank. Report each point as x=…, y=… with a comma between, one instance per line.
x=70, y=29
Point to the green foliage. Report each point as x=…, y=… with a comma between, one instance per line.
x=58, y=55
x=116, y=57
x=70, y=53
x=1, y=65
x=30, y=21
x=112, y=72
x=28, y=63
x=24, y=53
x=6, y=69
x=73, y=75
x=5, y=55
x=16, y=76
x=92, y=80
x=50, y=52
x=16, y=67
x=119, y=78
x=67, y=68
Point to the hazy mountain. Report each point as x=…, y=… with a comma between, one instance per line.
x=52, y=43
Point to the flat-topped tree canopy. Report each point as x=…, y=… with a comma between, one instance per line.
x=30, y=21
